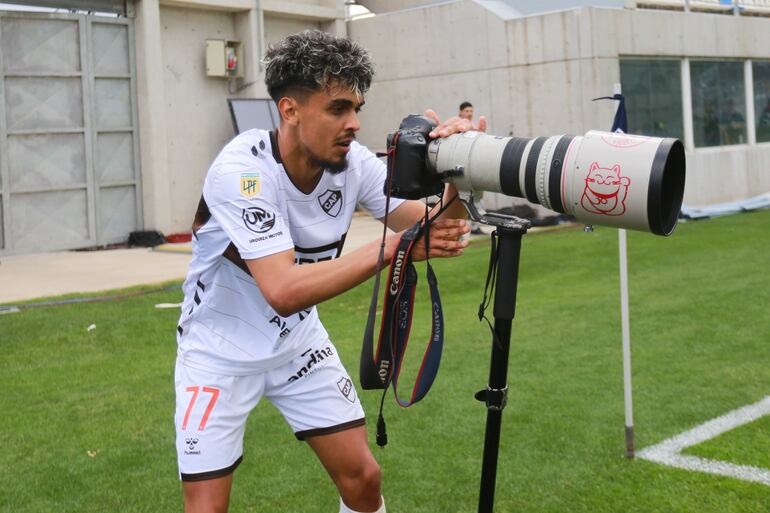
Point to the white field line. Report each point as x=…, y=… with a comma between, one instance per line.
x=668, y=452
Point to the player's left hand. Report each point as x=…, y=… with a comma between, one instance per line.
x=444, y=239
x=454, y=125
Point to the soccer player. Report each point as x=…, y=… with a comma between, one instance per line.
x=268, y=233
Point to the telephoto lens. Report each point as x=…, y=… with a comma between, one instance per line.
x=601, y=178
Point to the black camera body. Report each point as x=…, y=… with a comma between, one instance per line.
x=407, y=160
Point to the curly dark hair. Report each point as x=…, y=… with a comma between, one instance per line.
x=313, y=60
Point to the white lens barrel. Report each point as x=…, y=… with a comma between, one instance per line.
x=602, y=178
x=466, y=151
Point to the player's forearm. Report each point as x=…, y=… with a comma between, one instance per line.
x=303, y=286
x=456, y=210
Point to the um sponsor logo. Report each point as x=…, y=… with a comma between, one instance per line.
x=258, y=220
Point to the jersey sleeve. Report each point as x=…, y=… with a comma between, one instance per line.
x=244, y=200
x=371, y=194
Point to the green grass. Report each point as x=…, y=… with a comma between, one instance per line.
x=745, y=445
x=87, y=416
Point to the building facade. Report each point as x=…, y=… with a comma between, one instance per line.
x=699, y=75
x=108, y=125
x=110, y=119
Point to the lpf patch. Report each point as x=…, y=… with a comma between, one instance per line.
x=331, y=202
x=250, y=184
x=346, y=389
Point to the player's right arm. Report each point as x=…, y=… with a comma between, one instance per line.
x=252, y=219
x=289, y=288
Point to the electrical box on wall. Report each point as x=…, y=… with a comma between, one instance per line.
x=223, y=58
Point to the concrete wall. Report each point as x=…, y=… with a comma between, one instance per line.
x=419, y=66
x=197, y=120
x=538, y=75
x=529, y=76
x=714, y=174
x=183, y=115
x=278, y=27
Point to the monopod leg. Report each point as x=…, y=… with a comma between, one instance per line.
x=495, y=395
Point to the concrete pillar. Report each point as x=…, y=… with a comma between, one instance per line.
x=247, y=27
x=339, y=26
x=748, y=76
x=152, y=122
x=689, y=137
x=336, y=27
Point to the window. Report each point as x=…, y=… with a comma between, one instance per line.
x=653, y=91
x=248, y=113
x=718, y=103
x=761, y=72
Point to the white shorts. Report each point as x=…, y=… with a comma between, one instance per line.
x=313, y=392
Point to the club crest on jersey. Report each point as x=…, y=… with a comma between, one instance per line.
x=331, y=202
x=250, y=185
x=346, y=389
x=258, y=220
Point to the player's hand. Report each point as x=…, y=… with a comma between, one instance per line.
x=444, y=239
x=454, y=125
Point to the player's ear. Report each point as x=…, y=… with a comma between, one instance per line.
x=287, y=107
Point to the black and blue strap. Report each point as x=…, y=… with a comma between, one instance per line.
x=381, y=368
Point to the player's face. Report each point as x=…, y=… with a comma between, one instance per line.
x=329, y=124
x=466, y=113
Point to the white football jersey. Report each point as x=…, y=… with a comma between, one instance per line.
x=250, y=209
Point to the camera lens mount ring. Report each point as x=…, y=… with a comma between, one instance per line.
x=541, y=178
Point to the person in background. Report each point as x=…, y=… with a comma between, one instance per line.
x=466, y=112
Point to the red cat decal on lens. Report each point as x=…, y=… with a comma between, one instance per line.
x=605, y=191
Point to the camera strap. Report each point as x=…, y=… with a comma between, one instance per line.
x=395, y=328
x=489, y=286
x=381, y=368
